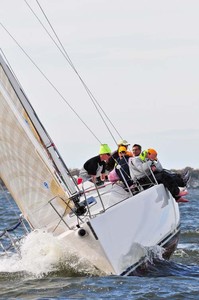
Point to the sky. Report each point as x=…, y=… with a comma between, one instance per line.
x=140, y=60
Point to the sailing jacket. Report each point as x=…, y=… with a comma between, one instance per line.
x=140, y=168
x=94, y=165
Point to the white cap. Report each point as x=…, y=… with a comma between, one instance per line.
x=123, y=142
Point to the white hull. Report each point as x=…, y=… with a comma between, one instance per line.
x=117, y=239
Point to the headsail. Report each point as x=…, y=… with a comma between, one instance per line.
x=30, y=164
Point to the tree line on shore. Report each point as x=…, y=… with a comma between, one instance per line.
x=194, y=175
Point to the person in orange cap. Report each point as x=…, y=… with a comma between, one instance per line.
x=181, y=179
x=147, y=169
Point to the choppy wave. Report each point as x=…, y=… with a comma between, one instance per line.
x=48, y=269
x=43, y=254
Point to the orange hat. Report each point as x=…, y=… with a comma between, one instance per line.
x=122, y=149
x=152, y=151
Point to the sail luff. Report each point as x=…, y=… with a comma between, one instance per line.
x=43, y=135
x=25, y=166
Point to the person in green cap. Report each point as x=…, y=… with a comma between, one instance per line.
x=95, y=167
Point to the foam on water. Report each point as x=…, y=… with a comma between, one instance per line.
x=42, y=253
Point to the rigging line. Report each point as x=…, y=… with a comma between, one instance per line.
x=52, y=85
x=61, y=50
x=73, y=67
x=66, y=56
x=75, y=70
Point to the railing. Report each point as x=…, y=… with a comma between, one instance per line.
x=89, y=204
x=10, y=237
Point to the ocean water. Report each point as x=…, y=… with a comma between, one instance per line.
x=46, y=269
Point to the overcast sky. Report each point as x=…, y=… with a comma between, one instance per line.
x=140, y=59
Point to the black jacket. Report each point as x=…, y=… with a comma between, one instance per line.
x=112, y=161
x=124, y=172
x=91, y=165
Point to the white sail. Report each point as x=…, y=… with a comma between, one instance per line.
x=26, y=167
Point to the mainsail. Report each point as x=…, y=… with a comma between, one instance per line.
x=30, y=165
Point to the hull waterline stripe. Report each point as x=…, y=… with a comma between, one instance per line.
x=133, y=267
x=93, y=232
x=171, y=234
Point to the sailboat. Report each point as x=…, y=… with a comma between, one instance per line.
x=112, y=228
